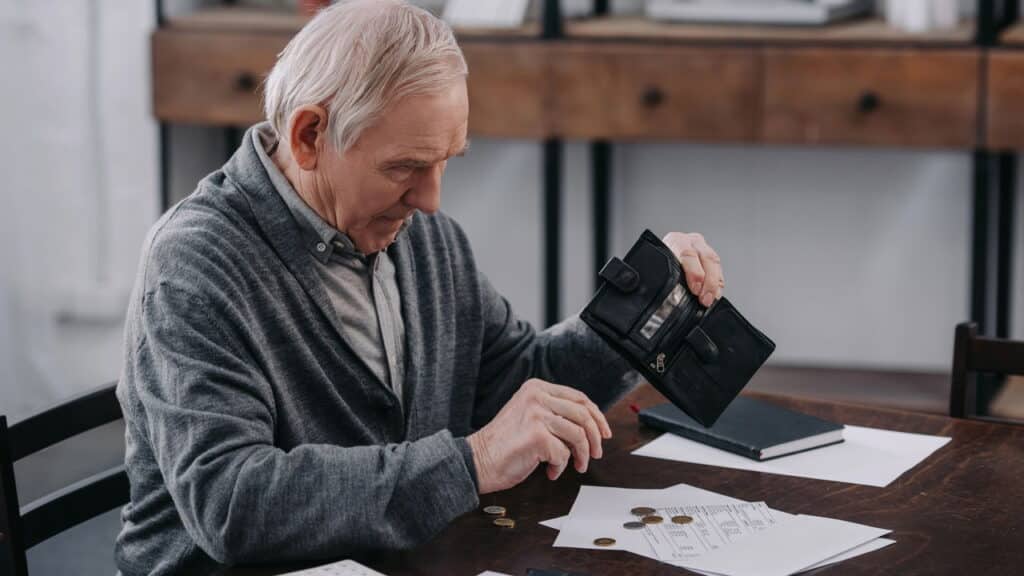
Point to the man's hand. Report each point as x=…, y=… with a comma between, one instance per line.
x=543, y=422
x=701, y=264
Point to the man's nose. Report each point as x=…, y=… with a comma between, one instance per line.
x=425, y=195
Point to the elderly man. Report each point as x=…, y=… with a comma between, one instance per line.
x=314, y=364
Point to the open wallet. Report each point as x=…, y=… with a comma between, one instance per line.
x=699, y=358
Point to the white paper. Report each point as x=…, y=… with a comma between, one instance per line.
x=592, y=500
x=489, y=573
x=788, y=547
x=876, y=544
x=342, y=568
x=714, y=526
x=555, y=523
x=867, y=456
x=599, y=512
x=486, y=13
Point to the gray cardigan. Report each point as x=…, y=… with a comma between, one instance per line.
x=255, y=434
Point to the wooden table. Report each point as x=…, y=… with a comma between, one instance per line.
x=961, y=511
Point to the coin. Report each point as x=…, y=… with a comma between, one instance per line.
x=652, y=519
x=494, y=510
x=604, y=542
x=642, y=511
x=633, y=525
x=682, y=519
x=505, y=522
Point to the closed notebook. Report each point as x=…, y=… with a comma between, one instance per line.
x=749, y=427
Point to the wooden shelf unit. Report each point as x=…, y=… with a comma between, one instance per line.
x=1005, y=84
x=870, y=31
x=248, y=19
x=854, y=84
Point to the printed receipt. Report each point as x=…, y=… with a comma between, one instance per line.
x=713, y=526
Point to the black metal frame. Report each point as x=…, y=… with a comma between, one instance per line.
x=1006, y=223
x=601, y=163
x=601, y=192
x=23, y=528
x=994, y=174
x=552, y=162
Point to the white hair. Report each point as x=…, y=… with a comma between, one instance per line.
x=355, y=58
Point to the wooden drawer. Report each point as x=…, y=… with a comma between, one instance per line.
x=215, y=77
x=507, y=81
x=211, y=77
x=1005, y=122
x=871, y=97
x=626, y=91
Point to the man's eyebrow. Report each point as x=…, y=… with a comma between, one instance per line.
x=415, y=162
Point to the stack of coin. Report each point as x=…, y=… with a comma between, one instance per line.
x=499, y=516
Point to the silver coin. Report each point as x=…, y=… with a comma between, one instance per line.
x=494, y=510
x=633, y=525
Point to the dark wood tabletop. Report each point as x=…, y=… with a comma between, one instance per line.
x=961, y=511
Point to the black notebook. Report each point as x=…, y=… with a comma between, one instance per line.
x=750, y=428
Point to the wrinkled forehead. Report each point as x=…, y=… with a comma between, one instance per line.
x=424, y=126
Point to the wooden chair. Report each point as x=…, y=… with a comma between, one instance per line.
x=23, y=528
x=980, y=363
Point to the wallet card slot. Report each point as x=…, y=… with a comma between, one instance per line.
x=660, y=316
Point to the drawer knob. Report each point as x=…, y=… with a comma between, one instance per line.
x=652, y=97
x=869, y=102
x=245, y=82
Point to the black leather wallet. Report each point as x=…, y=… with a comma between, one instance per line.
x=699, y=358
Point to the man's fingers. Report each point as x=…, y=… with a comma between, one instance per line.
x=580, y=416
x=714, y=281
x=683, y=246
x=580, y=398
x=557, y=456
x=574, y=437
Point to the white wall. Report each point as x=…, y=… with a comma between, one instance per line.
x=846, y=257
x=79, y=163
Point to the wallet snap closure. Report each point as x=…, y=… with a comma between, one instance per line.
x=703, y=345
x=621, y=275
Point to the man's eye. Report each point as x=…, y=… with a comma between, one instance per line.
x=400, y=172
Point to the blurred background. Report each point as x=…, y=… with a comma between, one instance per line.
x=852, y=162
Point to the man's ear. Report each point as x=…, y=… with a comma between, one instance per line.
x=307, y=136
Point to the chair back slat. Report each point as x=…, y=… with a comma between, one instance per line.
x=83, y=501
x=1000, y=356
x=80, y=414
x=23, y=528
x=12, y=544
x=973, y=354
